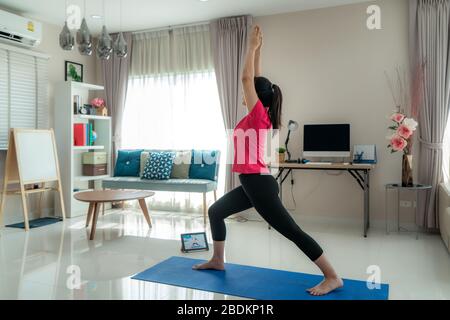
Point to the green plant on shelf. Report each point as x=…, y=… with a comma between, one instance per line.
x=73, y=73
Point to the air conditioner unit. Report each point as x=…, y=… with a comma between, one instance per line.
x=18, y=30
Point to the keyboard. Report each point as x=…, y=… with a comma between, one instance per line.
x=319, y=163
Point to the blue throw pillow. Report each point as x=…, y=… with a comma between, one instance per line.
x=128, y=163
x=159, y=166
x=204, y=165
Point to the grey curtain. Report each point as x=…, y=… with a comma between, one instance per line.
x=229, y=45
x=430, y=42
x=115, y=80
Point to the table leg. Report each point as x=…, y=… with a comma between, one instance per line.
x=94, y=221
x=89, y=215
x=281, y=184
x=143, y=206
x=366, y=202
x=398, y=210
x=415, y=214
x=386, y=215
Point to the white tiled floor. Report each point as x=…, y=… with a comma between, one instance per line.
x=34, y=265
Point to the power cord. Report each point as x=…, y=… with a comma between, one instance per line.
x=292, y=192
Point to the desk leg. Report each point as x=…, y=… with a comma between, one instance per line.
x=415, y=214
x=366, y=202
x=280, y=183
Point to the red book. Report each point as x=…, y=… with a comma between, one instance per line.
x=84, y=135
x=79, y=134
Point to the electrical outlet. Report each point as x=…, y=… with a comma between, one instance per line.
x=405, y=204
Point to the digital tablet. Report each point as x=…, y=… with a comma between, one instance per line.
x=194, y=242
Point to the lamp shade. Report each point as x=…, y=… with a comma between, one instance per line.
x=66, y=39
x=104, y=46
x=293, y=125
x=84, y=39
x=120, y=46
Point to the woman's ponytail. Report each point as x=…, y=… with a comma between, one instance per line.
x=275, y=107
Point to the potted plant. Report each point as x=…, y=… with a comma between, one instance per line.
x=281, y=155
x=99, y=105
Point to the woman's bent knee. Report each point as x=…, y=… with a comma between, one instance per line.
x=213, y=212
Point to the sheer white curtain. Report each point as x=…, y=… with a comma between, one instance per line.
x=446, y=154
x=173, y=102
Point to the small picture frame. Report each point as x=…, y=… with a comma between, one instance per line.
x=365, y=154
x=194, y=242
x=73, y=71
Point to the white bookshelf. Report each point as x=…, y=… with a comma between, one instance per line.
x=70, y=156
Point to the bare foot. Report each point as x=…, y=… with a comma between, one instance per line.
x=210, y=265
x=326, y=286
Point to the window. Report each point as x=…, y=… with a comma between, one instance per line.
x=175, y=112
x=23, y=92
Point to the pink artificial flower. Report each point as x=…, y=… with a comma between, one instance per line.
x=404, y=131
x=398, y=143
x=398, y=117
x=410, y=123
x=98, y=102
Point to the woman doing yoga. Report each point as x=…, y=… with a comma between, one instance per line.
x=258, y=188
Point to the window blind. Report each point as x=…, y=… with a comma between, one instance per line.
x=23, y=92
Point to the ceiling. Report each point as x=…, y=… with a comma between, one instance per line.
x=146, y=14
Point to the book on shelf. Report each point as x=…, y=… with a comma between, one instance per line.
x=83, y=134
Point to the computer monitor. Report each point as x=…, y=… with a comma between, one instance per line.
x=326, y=140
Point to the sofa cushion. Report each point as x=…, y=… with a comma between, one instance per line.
x=144, y=158
x=204, y=165
x=128, y=163
x=159, y=166
x=181, y=165
x=176, y=185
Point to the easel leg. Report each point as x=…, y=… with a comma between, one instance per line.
x=2, y=204
x=5, y=187
x=40, y=201
x=25, y=208
x=60, y=192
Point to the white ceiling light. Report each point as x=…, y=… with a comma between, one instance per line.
x=96, y=16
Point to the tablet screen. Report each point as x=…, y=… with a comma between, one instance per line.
x=194, y=241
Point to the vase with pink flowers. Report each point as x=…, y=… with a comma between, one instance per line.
x=100, y=106
x=401, y=141
x=406, y=87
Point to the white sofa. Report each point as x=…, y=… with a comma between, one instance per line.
x=444, y=212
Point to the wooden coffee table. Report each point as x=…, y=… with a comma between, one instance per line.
x=95, y=198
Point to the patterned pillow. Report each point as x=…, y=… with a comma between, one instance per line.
x=159, y=166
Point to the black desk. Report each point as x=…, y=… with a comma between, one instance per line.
x=361, y=174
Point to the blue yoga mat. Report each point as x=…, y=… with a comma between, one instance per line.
x=254, y=283
x=36, y=223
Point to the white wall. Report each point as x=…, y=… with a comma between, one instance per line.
x=49, y=45
x=331, y=69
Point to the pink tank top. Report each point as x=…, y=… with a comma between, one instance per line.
x=250, y=141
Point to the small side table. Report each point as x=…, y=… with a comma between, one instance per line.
x=95, y=198
x=416, y=188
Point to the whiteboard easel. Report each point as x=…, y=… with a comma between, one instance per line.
x=31, y=160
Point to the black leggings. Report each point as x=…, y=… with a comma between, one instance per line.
x=260, y=192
